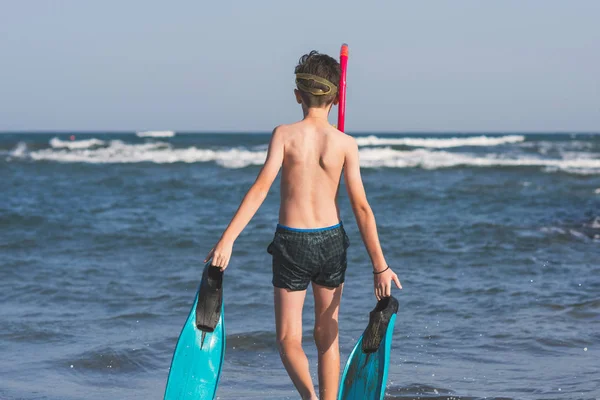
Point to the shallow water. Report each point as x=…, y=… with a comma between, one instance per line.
x=496, y=239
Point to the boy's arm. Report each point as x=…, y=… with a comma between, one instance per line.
x=366, y=222
x=221, y=252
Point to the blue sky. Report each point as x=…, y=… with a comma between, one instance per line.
x=228, y=66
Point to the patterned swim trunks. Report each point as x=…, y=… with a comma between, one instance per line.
x=304, y=255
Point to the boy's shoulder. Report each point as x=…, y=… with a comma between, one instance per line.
x=289, y=130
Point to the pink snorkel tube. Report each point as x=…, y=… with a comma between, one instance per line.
x=342, y=88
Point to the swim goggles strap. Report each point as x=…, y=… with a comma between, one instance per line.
x=315, y=91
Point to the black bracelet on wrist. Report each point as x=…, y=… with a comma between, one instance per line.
x=380, y=272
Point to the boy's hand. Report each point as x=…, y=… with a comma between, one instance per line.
x=383, y=283
x=220, y=254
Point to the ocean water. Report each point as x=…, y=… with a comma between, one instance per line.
x=496, y=239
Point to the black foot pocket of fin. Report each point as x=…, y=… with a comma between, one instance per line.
x=379, y=320
x=210, y=299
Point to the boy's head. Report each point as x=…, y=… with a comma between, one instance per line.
x=317, y=79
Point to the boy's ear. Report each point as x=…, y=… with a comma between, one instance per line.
x=298, y=97
x=337, y=99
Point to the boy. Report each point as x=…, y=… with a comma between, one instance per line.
x=310, y=243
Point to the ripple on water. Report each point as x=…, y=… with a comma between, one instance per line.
x=252, y=341
x=134, y=359
x=35, y=333
x=427, y=392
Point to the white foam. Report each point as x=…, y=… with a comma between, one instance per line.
x=117, y=151
x=75, y=144
x=387, y=157
x=19, y=151
x=155, y=134
x=156, y=152
x=553, y=229
x=577, y=234
x=440, y=143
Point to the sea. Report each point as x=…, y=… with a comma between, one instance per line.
x=495, y=237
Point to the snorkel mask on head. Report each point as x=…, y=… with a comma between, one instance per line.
x=332, y=89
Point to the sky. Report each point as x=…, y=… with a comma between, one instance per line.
x=417, y=66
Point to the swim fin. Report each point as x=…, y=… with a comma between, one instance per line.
x=196, y=365
x=365, y=374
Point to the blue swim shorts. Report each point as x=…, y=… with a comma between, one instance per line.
x=304, y=255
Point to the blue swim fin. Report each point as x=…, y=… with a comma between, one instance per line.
x=365, y=374
x=196, y=365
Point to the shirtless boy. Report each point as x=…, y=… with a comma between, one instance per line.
x=310, y=242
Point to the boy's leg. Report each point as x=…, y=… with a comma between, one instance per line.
x=288, y=321
x=327, y=305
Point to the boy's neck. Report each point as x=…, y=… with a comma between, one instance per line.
x=316, y=113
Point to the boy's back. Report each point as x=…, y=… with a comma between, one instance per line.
x=314, y=155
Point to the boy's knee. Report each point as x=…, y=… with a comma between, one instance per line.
x=286, y=343
x=325, y=335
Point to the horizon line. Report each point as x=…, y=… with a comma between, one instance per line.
x=258, y=132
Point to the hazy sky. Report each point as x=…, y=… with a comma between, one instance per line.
x=228, y=65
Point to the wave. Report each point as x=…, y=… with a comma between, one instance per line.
x=117, y=152
x=427, y=159
x=56, y=143
x=155, y=134
x=440, y=143
x=19, y=151
x=124, y=359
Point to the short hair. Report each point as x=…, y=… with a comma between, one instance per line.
x=322, y=66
